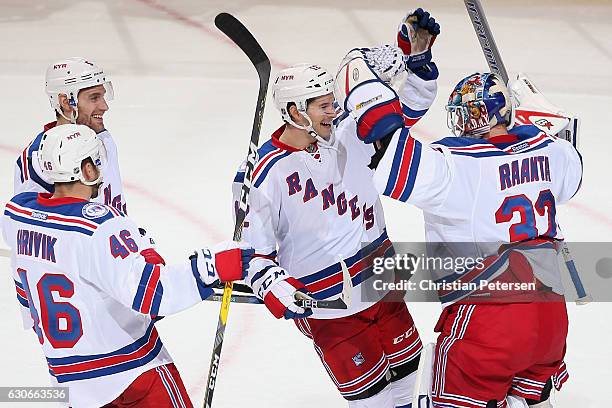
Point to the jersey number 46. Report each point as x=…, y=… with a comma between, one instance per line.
x=61, y=321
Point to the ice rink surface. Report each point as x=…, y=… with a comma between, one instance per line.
x=182, y=119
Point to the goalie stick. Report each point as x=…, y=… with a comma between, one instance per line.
x=496, y=65
x=241, y=36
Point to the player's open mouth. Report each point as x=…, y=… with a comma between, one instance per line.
x=97, y=116
x=326, y=124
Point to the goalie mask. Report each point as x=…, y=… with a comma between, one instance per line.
x=63, y=149
x=299, y=84
x=478, y=103
x=71, y=75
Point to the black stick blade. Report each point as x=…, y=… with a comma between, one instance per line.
x=242, y=37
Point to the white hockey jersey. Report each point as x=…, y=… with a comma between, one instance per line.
x=309, y=207
x=30, y=177
x=91, y=296
x=487, y=193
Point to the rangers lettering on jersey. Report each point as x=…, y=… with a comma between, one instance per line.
x=309, y=207
x=328, y=199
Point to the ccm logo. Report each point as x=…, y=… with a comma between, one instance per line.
x=403, y=336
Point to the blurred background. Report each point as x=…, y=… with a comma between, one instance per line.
x=182, y=114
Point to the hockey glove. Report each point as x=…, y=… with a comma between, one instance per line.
x=277, y=290
x=387, y=61
x=226, y=261
x=416, y=35
x=373, y=104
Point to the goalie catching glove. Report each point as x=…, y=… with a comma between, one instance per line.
x=278, y=291
x=373, y=104
x=227, y=261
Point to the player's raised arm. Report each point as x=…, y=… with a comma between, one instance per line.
x=406, y=169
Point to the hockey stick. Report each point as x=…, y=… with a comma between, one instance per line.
x=485, y=36
x=342, y=302
x=583, y=297
x=241, y=36
x=496, y=65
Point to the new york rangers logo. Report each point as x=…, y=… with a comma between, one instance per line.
x=358, y=359
x=94, y=210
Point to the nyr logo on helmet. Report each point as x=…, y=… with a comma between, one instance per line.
x=60, y=66
x=94, y=210
x=73, y=136
x=286, y=77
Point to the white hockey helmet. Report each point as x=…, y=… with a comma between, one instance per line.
x=63, y=149
x=69, y=76
x=298, y=84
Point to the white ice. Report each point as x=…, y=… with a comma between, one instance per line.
x=182, y=118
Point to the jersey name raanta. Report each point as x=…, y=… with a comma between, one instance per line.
x=345, y=206
x=527, y=170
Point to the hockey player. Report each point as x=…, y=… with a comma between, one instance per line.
x=496, y=192
x=311, y=204
x=89, y=295
x=78, y=91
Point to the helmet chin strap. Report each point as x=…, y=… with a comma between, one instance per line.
x=310, y=129
x=73, y=115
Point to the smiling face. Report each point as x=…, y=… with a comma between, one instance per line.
x=91, y=107
x=322, y=112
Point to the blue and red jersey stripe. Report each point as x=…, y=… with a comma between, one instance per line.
x=136, y=354
x=328, y=281
x=22, y=296
x=150, y=291
x=404, y=167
